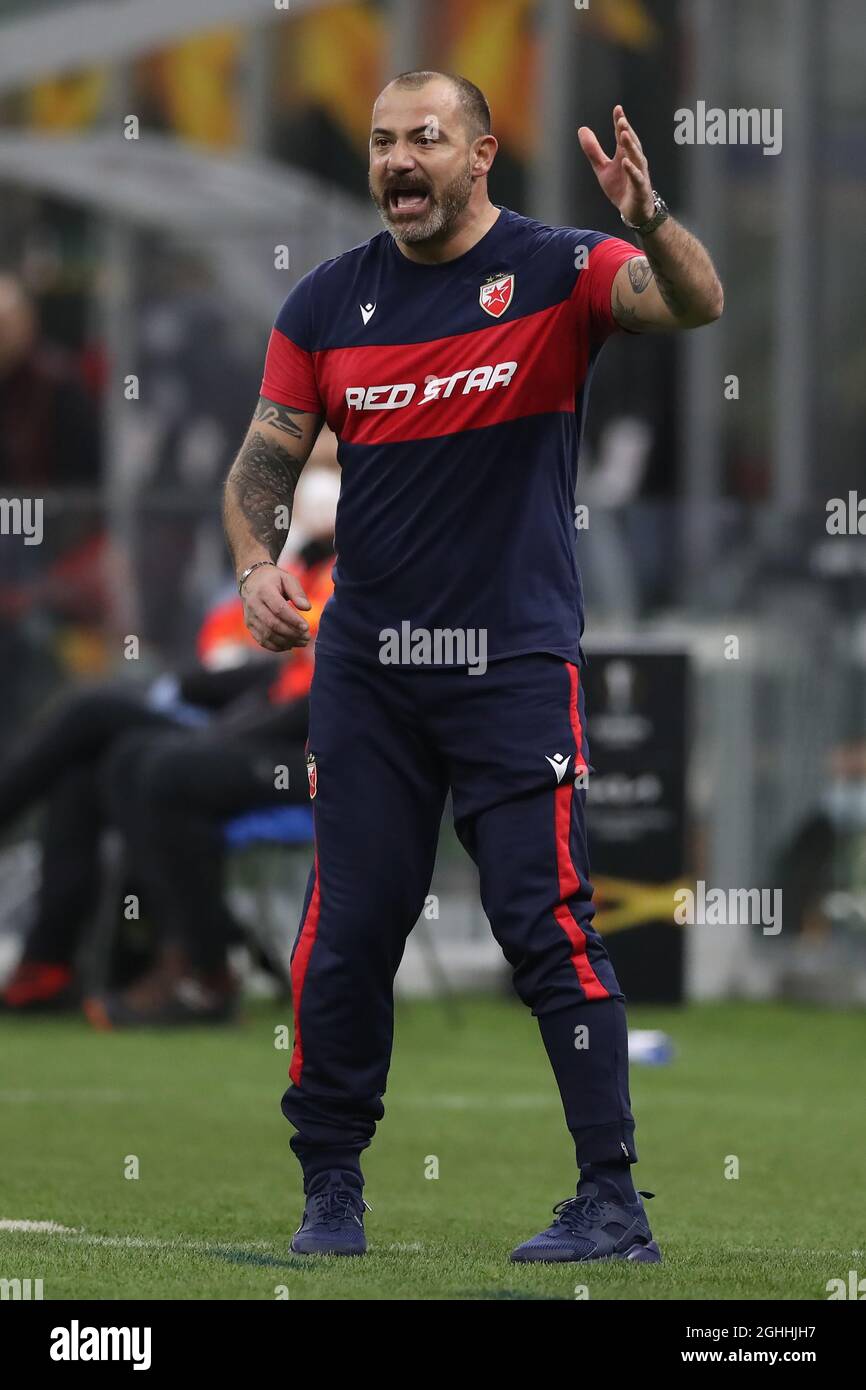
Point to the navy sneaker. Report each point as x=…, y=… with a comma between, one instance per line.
x=588, y=1227
x=333, y=1221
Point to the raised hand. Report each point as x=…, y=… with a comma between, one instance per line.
x=625, y=178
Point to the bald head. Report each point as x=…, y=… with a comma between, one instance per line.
x=467, y=100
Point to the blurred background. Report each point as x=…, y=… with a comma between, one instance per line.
x=168, y=171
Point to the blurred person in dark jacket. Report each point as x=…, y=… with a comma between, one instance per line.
x=49, y=427
x=49, y=443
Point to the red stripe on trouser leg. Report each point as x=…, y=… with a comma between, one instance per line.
x=569, y=879
x=299, y=972
x=569, y=884
x=574, y=716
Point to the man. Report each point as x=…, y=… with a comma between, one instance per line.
x=451, y=355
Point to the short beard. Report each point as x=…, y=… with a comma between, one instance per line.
x=440, y=220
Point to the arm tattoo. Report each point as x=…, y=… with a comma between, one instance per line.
x=639, y=273
x=624, y=313
x=279, y=416
x=263, y=481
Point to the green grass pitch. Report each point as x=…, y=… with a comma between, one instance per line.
x=218, y=1194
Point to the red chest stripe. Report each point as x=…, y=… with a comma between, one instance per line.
x=528, y=366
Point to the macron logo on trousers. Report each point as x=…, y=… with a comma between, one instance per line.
x=77, y=1343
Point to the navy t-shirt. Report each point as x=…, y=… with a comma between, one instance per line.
x=457, y=393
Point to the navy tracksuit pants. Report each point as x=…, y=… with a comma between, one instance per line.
x=387, y=743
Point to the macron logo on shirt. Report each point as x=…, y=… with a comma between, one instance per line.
x=401, y=394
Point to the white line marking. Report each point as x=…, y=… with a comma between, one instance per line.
x=78, y=1236
x=23, y=1096
x=791, y=1250
x=152, y=1243
x=50, y=1227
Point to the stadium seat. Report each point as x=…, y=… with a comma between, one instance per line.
x=267, y=885
x=264, y=878
x=256, y=873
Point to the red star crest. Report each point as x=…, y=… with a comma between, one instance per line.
x=496, y=295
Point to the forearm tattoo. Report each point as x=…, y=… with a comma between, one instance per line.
x=279, y=416
x=262, y=483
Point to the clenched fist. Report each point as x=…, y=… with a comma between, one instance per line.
x=271, y=599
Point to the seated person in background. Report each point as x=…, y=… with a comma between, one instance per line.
x=132, y=761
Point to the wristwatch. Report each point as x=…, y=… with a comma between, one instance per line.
x=661, y=214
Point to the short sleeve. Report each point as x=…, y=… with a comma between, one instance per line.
x=290, y=367
x=591, y=294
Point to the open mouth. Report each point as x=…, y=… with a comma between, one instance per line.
x=406, y=199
